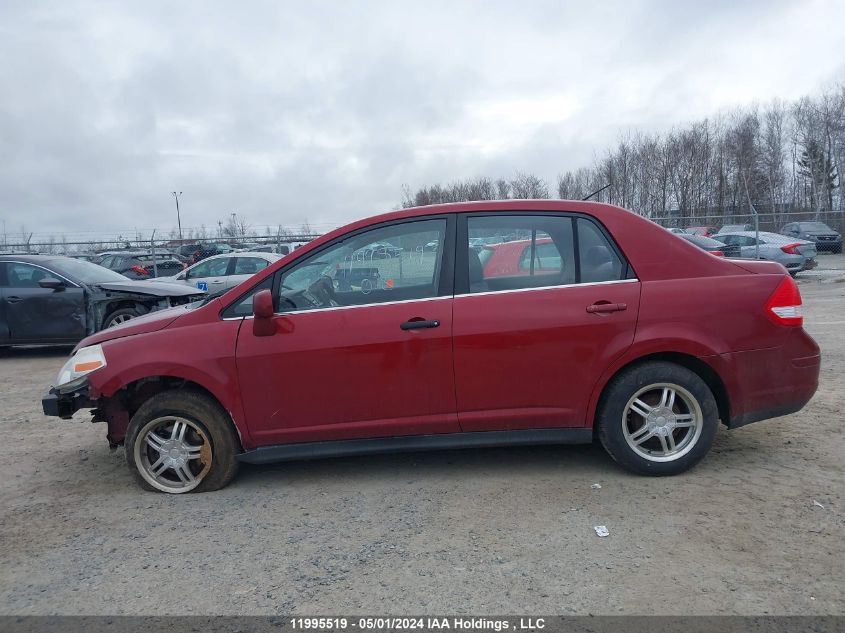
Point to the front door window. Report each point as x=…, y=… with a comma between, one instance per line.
x=397, y=262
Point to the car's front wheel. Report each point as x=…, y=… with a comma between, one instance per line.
x=182, y=441
x=657, y=418
x=121, y=315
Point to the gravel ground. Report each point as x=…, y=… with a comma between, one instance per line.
x=476, y=531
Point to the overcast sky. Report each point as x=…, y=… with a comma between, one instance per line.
x=320, y=111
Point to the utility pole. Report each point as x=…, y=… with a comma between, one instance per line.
x=178, y=218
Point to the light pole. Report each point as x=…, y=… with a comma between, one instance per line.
x=178, y=218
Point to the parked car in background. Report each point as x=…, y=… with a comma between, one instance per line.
x=221, y=272
x=184, y=252
x=675, y=229
x=46, y=299
x=378, y=250
x=618, y=344
x=795, y=255
x=714, y=247
x=734, y=228
x=285, y=248
x=514, y=258
x=87, y=257
x=140, y=264
x=824, y=237
x=705, y=231
x=209, y=250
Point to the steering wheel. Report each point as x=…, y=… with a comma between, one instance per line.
x=323, y=291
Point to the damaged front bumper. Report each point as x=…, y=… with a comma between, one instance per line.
x=64, y=404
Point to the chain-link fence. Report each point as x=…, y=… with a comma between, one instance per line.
x=769, y=220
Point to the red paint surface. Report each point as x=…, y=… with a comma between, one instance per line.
x=509, y=360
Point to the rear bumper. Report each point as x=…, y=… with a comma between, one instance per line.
x=766, y=414
x=64, y=405
x=774, y=382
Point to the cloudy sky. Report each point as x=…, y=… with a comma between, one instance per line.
x=321, y=111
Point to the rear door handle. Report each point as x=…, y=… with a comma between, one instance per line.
x=607, y=307
x=419, y=324
x=13, y=299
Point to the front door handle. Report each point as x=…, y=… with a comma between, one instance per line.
x=13, y=299
x=605, y=306
x=419, y=324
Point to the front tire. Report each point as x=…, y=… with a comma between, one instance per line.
x=121, y=315
x=657, y=418
x=182, y=441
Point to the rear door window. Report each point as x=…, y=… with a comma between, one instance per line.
x=526, y=251
x=520, y=251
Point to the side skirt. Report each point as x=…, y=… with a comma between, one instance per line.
x=442, y=441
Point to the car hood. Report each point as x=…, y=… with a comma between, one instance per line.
x=159, y=289
x=144, y=324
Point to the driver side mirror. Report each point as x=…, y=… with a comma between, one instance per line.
x=262, y=312
x=52, y=283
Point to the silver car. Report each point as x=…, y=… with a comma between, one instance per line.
x=795, y=255
x=221, y=272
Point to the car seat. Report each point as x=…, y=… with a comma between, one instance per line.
x=598, y=265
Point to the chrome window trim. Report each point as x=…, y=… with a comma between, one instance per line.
x=472, y=294
x=334, y=308
x=581, y=285
x=73, y=284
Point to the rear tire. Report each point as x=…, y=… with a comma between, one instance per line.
x=182, y=441
x=657, y=418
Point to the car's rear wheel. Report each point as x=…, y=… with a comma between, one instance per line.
x=657, y=418
x=121, y=315
x=182, y=441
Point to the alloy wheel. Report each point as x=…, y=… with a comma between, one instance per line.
x=173, y=454
x=117, y=320
x=662, y=422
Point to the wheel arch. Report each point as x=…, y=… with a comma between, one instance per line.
x=110, y=307
x=121, y=404
x=689, y=361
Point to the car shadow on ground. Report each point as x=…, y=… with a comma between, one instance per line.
x=513, y=461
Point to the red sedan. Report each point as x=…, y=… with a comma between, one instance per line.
x=605, y=329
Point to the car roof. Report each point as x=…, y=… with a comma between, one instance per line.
x=775, y=237
x=32, y=259
x=270, y=257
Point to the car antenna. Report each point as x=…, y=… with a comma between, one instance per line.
x=596, y=192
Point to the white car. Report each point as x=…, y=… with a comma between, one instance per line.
x=221, y=272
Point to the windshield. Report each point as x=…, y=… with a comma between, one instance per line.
x=815, y=226
x=85, y=272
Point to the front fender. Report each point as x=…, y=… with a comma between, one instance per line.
x=203, y=354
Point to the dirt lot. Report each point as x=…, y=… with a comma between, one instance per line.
x=480, y=531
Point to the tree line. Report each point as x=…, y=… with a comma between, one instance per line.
x=781, y=157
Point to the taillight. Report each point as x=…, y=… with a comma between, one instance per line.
x=792, y=249
x=140, y=270
x=784, y=306
x=717, y=253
